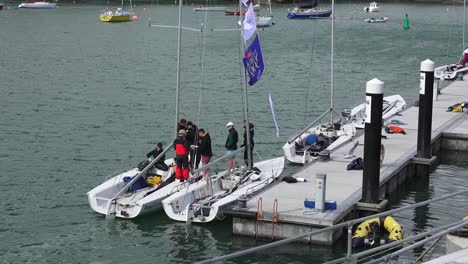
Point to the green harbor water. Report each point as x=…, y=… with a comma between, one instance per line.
x=82, y=99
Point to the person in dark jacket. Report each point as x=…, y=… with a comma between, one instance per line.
x=192, y=138
x=182, y=125
x=155, y=153
x=231, y=146
x=204, y=148
x=182, y=147
x=246, y=157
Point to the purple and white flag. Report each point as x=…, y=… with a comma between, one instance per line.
x=249, y=25
x=244, y=2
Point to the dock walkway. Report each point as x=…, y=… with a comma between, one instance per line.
x=344, y=186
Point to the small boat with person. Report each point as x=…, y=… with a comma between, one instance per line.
x=453, y=71
x=37, y=5
x=373, y=7
x=377, y=231
x=376, y=20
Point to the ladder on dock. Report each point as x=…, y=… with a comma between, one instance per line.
x=266, y=217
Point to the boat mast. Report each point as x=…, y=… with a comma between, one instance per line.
x=244, y=90
x=464, y=22
x=332, y=106
x=179, y=28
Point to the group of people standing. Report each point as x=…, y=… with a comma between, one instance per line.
x=193, y=145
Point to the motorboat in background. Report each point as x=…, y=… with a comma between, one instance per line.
x=376, y=20
x=1, y=6
x=37, y=5
x=373, y=7
x=453, y=71
x=309, y=11
x=392, y=105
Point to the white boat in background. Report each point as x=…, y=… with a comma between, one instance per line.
x=376, y=20
x=392, y=105
x=310, y=143
x=206, y=200
x=314, y=141
x=264, y=20
x=453, y=71
x=210, y=8
x=373, y=7
x=38, y=5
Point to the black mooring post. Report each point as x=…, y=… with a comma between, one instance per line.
x=425, y=109
x=372, y=141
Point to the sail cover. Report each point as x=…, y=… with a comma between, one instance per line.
x=311, y=5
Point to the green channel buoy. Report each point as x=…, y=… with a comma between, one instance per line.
x=406, y=22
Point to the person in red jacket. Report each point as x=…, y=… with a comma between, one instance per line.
x=182, y=147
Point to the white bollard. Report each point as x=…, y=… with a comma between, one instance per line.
x=320, y=187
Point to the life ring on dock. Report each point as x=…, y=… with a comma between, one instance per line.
x=370, y=233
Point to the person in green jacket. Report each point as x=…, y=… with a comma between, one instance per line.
x=231, y=147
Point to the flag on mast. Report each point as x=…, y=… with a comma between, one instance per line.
x=245, y=2
x=272, y=109
x=253, y=61
x=249, y=25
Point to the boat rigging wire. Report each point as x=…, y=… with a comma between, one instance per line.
x=310, y=73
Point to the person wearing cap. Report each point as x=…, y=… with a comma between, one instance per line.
x=231, y=146
x=251, y=132
x=182, y=147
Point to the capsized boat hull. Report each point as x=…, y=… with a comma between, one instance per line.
x=206, y=201
x=132, y=204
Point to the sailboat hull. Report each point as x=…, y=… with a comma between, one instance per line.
x=309, y=14
x=38, y=5
x=392, y=105
x=115, y=18
x=299, y=152
x=132, y=204
x=263, y=21
x=207, y=200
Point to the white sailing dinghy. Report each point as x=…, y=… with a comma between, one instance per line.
x=313, y=140
x=453, y=71
x=119, y=198
x=116, y=197
x=206, y=200
x=392, y=105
